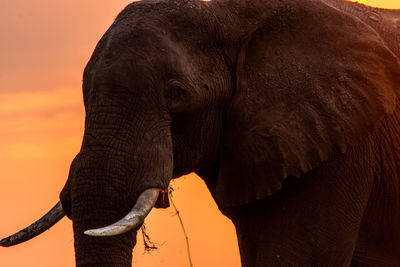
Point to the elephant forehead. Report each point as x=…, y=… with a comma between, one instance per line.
x=118, y=60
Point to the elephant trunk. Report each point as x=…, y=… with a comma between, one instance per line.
x=103, y=251
x=94, y=203
x=106, y=179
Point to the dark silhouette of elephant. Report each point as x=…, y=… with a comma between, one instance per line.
x=288, y=109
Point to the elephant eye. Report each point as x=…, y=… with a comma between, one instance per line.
x=175, y=92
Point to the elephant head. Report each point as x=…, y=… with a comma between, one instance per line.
x=245, y=93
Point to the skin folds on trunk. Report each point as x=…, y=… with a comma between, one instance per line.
x=107, y=199
x=113, y=168
x=99, y=195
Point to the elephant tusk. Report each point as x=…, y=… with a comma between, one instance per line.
x=36, y=228
x=133, y=219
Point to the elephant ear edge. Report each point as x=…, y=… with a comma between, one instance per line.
x=313, y=82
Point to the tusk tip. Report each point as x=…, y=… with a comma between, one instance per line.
x=48, y=220
x=90, y=232
x=96, y=232
x=106, y=231
x=5, y=242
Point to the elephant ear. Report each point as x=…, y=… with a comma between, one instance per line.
x=310, y=83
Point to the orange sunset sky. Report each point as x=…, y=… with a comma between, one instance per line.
x=44, y=46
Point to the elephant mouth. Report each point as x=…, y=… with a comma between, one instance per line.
x=144, y=204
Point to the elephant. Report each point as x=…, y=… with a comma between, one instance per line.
x=287, y=109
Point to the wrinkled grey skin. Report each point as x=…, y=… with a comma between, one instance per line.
x=286, y=108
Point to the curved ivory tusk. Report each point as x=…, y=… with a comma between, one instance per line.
x=36, y=228
x=133, y=219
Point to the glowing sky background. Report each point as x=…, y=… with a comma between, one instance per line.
x=44, y=46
